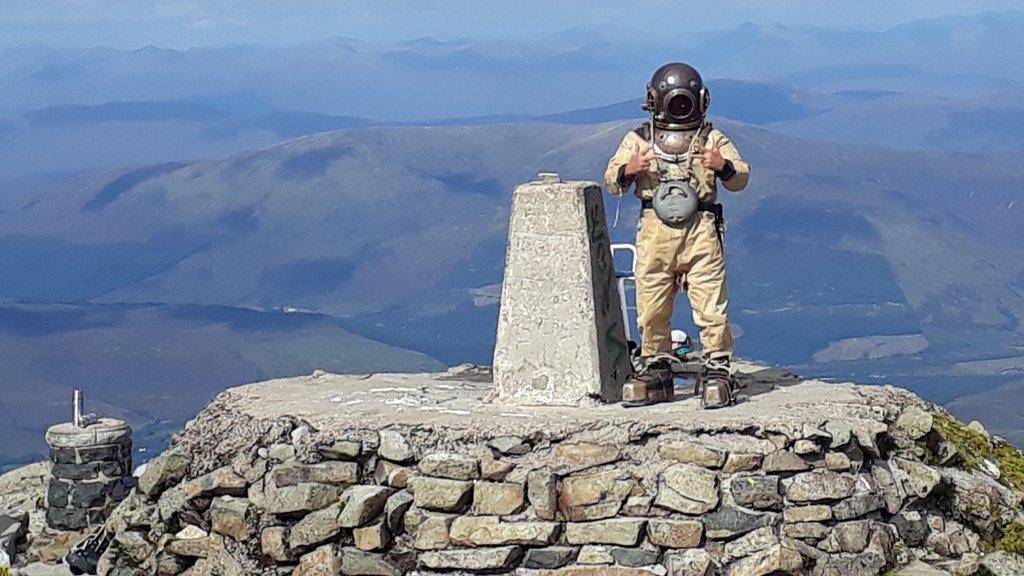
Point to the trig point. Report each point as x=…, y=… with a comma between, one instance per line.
x=560, y=333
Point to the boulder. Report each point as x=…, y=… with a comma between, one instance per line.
x=474, y=559
x=634, y=557
x=489, y=531
x=819, y=485
x=299, y=498
x=429, y=531
x=362, y=504
x=342, y=450
x=691, y=452
x=595, y=555
x=230, y=517
x=596, y=495
x=453, y=466
x=784, y=461
x=694, y=562
x=329, y=472
x=978, y=499
x=917, y=478
x=617, y=531
x=914, y=422
x=550, y=557
x=324, y=561
x=497, y=498
x=542, y=491
x=777, y=559
x=395, y=508
x=391, y=474
x=191, y=542
x=1003, y=563
x=164, y=471
x=919, y=568
x=750, y=543
x=493, y=469
x=356, y=562
x=737, y=462
x=372, y=537
x=219, y=482
x=760, y=492
x=637, y=505
x=570, y=457
x=688, y=489
x=728, y=523
x=274, y=543
x=805, y=530
x=395, y=447
x=813, y=513
x=675, y=533
x=316, y=527
x=857, y=506
x=510, y=446
x=13, y=529
x=442, y=494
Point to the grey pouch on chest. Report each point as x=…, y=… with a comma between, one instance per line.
x=675, y=202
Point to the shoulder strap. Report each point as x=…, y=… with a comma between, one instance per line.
x=644, y=131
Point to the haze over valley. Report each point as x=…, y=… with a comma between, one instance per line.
x=177, y=221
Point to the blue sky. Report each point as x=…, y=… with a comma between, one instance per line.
x=135, y=23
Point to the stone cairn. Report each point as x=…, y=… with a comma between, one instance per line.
x=92, y=467
x=840, y=499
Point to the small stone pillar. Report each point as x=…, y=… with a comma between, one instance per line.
x=561, y=338
x=92, y=467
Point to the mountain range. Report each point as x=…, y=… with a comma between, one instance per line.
x=843, y=262
x=173, y=222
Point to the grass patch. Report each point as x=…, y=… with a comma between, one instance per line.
x=973, y=447
x=1013, y=539
x=1011, y=464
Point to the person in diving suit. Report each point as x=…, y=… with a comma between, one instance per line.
x=678, y=157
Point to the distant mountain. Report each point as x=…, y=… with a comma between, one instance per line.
x=156, y=365
x=908, y=121
x=62, y=138
x=578, y=68
x=746, y=101
x=846, y=261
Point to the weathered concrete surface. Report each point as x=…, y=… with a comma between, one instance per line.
x=560, y=333
x=457, y=405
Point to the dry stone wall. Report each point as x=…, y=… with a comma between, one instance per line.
x=91, y=473
x=238, y=494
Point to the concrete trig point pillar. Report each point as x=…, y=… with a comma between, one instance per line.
x=560, y=333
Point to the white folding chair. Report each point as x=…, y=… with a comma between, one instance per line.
x=622, y=277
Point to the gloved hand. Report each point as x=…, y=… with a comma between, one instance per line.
x=640, y=161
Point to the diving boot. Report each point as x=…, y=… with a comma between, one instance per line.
x=717, y=384
x=650, y=386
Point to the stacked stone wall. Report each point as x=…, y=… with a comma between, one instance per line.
x=864, y=496
x=91, y=472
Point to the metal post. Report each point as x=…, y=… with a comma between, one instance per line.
x=76, y=407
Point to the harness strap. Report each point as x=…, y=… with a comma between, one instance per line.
x=713, y=207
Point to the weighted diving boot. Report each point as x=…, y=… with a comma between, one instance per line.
x=650, y=386
x=717, y=384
